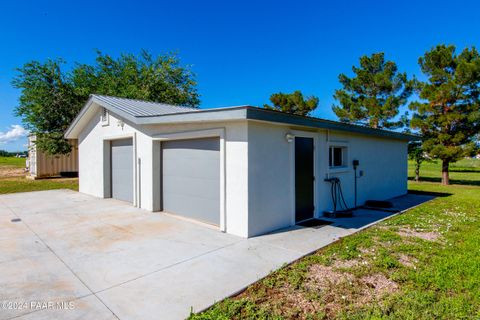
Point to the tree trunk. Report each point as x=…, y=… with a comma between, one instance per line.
x=417, y=172
x=445, y=175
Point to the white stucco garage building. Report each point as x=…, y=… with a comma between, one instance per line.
x=243, y=169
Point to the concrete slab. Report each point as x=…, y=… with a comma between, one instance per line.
x=40, y=277
x=303, y=240
x=114, y=261
x=88, y=307
x=195, y=284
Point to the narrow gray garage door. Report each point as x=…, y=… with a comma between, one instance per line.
x=191, y=178
x=122, y=170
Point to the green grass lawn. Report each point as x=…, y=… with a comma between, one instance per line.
x=423, y=264
x=466, y=171
x=12, y=162
x=22, y=184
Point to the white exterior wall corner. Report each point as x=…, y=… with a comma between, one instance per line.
x=383, y=163
x=94, y=157
x=271, y=175
x=235, y=170
x=94, y=153
x=270, y=184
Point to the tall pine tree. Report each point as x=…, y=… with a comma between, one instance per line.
x=294, y=103
x=374, y=95
x=449, y=114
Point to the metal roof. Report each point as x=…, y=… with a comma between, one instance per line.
x=139, y=108
x=149, y=113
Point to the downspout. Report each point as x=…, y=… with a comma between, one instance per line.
x=223, y=183
x=136, y=166
x=328, y=153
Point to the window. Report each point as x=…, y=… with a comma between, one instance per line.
x=337, y=157
x=104, y=117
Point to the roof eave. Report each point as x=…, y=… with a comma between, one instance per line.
x=280, y=117
x=232, y=114
x=72, y=133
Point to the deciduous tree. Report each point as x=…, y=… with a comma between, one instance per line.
x=51, y=97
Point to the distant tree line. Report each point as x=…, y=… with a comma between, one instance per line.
x=4, y=153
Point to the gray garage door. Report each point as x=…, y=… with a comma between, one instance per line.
x=191, y=178
x=122, y=170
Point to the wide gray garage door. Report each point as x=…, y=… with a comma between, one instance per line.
x=191, y=178
x=122, y=169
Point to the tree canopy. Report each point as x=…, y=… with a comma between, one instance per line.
x=51, y=97
x=293, y=103
x=374, y=95
x=448, y=115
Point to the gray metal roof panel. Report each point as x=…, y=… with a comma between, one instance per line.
x=144, y=112
x=139, y=108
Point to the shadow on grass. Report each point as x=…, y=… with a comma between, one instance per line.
x=452, y=181
x=465, y=170
x=430, y=193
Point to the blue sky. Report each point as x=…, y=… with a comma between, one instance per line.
x=241, y=51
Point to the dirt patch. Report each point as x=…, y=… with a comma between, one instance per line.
x=407, y=260
x=339, y=290
x=429, y=236
x=323, y=277
x=6, y=172
x=294, y=303
x=378, y=285
x=325, y=292
x=346, y=264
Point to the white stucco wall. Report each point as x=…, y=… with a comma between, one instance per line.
x=258, y=168
x=270, y=183
x=384, y=165
x=271, y=172
x=94, y=155
x=236, y=169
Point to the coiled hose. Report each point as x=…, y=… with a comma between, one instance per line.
x=337, y=194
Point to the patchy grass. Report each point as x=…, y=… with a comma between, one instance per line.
x=423, y=264
x=22, y=184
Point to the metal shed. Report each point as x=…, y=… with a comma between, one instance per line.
x=42, y=165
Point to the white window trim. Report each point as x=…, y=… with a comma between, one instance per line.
x=345, y=155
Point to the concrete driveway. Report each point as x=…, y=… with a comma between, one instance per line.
x=73, y=256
